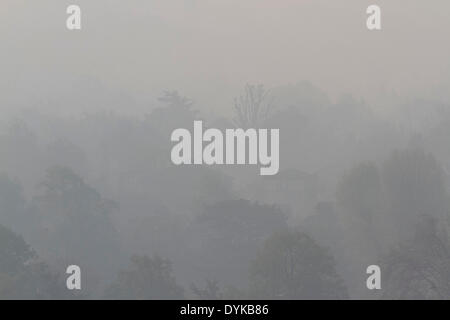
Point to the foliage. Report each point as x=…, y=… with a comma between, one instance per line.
x=22, y=275
x=292, y=266
x=146, y=278
x=420, y=267
x=210, y=292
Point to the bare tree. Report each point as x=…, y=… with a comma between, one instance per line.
x=252, y=107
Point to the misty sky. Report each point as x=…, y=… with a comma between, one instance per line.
x=208, y=49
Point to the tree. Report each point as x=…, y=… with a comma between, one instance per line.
x=252, y=108
x=360, y=198
x=420, y=267
x=176, y=112
x=210, y=292
x=146, y=278
x=414, y=183
x=174, y=100
x=64, y=152
x=364, y=222
x=229, y=233
x=22, y=275
x=14, y=251
x=76, y=226
x=292, y=266
x=360, y=192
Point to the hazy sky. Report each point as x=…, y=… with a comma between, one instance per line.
x=208, y=49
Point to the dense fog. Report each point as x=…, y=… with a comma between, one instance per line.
x=86, y=176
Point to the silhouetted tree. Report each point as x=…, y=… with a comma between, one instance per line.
x=420, y=267
x=252, y=108
x=210, y=292
x=177, y=112
x=227, y=235
x=75, y=226
x=146, y=278
x=415, y=186
x=360, y=197
x=292, y=266
x=22, y=275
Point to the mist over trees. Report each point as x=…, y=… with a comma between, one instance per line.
x=23, y=275
x=292, y=266
x=356, y=187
